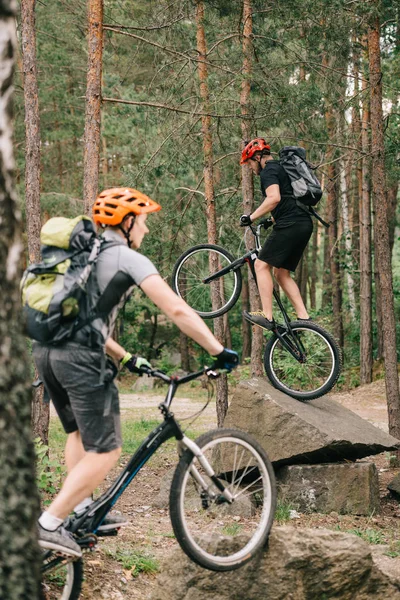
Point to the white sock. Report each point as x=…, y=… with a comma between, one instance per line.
x=83, y=504
x=49, y=522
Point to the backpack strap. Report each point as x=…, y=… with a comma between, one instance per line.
x=311, y=211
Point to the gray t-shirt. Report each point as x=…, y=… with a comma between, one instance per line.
x=119, y=269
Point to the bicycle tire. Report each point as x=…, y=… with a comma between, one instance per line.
x=177, y=284
x=73, y=587
x=186, y=538
x=311, y=394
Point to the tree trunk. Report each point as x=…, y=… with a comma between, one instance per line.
x=222, y=382
x=333, y=247
x=366, y=356
x=184, y=350
x=91, y=156
x=314, y=270
x=256, y=333
x=357, y=185
x=347, y=241
x=40, y=410
x=19, y=502
x=381, y=230
x=392, y=205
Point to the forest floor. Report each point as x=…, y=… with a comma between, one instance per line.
x=125, y=567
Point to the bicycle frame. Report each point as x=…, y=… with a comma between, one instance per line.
x=296, y=349
x=92, y=518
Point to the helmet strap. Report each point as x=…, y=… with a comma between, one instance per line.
x=128, y=231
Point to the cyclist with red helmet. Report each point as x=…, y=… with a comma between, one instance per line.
x=79, y=378
x=292, y=230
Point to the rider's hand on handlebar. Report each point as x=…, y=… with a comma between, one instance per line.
x=227, y=360
x=135, y=364
x=245, y=221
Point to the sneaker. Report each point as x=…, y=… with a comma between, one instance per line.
x=113, y=521
x=59, y=540
x=259, y=318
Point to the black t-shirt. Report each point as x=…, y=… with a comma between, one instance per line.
x=287, y=212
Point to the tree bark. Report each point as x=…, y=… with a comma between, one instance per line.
x=393, y=191
x=40, y=410
x=347, y=241
x=366, y=356
x=19, y=503
x=256, y=333
x=222, y=382
x=91, y=156
x=381, y=230
x=314, y=270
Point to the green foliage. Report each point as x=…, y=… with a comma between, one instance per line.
x=135, y=561
x=283, y=511
x=134, y=432
x=49, y=472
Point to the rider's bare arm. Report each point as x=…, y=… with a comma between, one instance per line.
x=272, y=199
x=180, y=313
x=114, y=350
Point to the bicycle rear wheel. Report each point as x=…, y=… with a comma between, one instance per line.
x=312, y=378
x=215, y=534
x=63, y=581
x=213, y=299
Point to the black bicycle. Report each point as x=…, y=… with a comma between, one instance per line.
x=222, y=499
x=301, y=358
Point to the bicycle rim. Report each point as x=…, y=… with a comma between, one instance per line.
x=216, y=534
x=207, y=299
x=298, y=379
x=63, y=582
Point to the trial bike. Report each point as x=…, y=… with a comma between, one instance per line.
x=222, y=498
x=301, y=358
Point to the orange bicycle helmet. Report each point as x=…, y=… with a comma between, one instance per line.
x=256, y=145
x=111, y=206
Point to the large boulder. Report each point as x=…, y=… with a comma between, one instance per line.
x=294, y=432
x=394, y=487
x=345, y=488
x=300, y=564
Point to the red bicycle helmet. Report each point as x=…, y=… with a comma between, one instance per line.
x=256, y=145
x=111, y=206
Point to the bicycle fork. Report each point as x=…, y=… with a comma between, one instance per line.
x=188, y=444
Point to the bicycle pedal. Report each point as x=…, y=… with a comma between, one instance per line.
x=87, y=542
x=108, y=532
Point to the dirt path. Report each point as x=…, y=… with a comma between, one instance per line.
x=107, y=575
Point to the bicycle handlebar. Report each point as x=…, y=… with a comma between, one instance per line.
x=209, y=371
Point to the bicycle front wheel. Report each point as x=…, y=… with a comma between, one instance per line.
x=213, y=299
x=214, y=533
x=63, y=581
x=315, y=376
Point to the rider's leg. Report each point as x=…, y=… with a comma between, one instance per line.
x=74, y=450
x=265, y=286
x=82, y=480
x=292, y=291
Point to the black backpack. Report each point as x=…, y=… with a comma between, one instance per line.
x=306, y=187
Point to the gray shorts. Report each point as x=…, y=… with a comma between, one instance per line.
x=79, y=381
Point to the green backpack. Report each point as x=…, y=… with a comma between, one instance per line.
x=60, y=294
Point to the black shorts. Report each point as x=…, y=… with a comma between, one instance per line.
x=80, y=383
x=285, y=245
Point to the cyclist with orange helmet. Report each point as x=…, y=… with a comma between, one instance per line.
x=285, y=246
x=79, y=378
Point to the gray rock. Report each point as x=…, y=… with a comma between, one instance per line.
x=294, y=432
x=300, y=564
x=394, y=487
x=143, y=383
x=345, y=488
